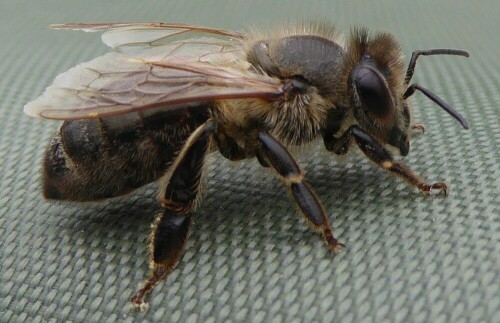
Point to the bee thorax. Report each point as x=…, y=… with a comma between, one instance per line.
x=299, y=119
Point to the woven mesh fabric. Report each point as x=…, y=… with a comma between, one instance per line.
x=409, y=257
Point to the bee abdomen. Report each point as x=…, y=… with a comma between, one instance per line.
x=102, y=158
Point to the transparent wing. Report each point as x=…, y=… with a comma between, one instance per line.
x=153, y=66
x=90, y=27
x=116, y=83
x=157, y=41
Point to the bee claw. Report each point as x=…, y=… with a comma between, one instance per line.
x=419, y=127
x=138, y=304
x=336, y=247
x=442, y=187
x=331, y=241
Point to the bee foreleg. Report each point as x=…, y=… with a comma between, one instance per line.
x=283, y=163
x=379, y=155
x=171, y=229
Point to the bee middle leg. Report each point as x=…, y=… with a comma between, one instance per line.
x=170, y=229
x=282, y=162
x=230, y=149
x=379, y=155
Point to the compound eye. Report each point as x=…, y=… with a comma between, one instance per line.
x=372, y=90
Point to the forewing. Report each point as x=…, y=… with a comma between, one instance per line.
x=153, y=66
x=116, y=84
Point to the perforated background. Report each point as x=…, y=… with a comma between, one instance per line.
x=409, y=257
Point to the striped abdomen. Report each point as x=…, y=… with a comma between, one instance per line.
x=101, y=158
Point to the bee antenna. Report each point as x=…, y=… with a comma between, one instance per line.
x=445, y=106
x=428, y=52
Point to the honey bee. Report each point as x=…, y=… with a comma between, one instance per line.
x=168, y=95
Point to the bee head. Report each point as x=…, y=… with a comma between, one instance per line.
x=375, y=74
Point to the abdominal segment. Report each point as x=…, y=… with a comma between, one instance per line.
x=95, y=159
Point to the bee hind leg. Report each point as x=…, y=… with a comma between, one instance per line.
x=380, y=156
x=171, y=229
x=278, y=158
x=168, y=237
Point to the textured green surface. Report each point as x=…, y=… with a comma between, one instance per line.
x=409, y=257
